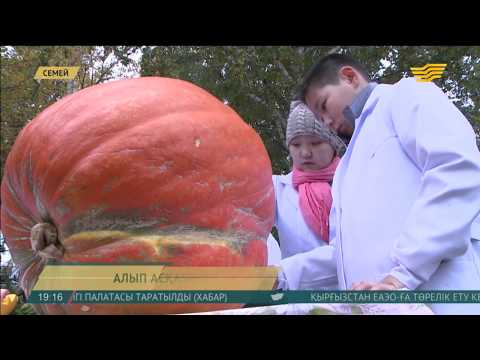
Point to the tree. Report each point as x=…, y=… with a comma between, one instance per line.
x=259, y=82
x=22, y=97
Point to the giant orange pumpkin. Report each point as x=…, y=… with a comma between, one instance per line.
x=141, y=170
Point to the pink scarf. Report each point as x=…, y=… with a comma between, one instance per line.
x=315, y=197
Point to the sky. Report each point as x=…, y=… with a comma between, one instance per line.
x=121, y=72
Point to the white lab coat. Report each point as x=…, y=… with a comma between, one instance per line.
x=298, y=244
x=476, y=229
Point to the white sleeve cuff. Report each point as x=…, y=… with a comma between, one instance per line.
x=406, y=277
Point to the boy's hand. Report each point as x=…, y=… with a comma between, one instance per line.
x=389, y=283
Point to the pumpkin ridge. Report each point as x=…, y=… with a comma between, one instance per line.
x=83, y=157
x=14, y=196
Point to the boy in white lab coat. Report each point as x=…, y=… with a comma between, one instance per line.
x=405, y=193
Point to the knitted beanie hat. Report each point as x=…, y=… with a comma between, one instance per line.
x=302, y=121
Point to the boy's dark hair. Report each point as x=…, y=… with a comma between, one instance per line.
x=325, y=72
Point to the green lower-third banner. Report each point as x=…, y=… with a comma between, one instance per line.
x=251, y=297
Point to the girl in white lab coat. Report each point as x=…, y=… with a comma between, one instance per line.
x=303, y=197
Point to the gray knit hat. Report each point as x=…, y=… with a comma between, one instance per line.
x=302, y=121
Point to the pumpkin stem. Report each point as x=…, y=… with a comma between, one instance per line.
x=45, y=242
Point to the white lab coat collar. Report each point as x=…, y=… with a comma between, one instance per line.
x=286, y=179
x=369, y=105
x=367, y=109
